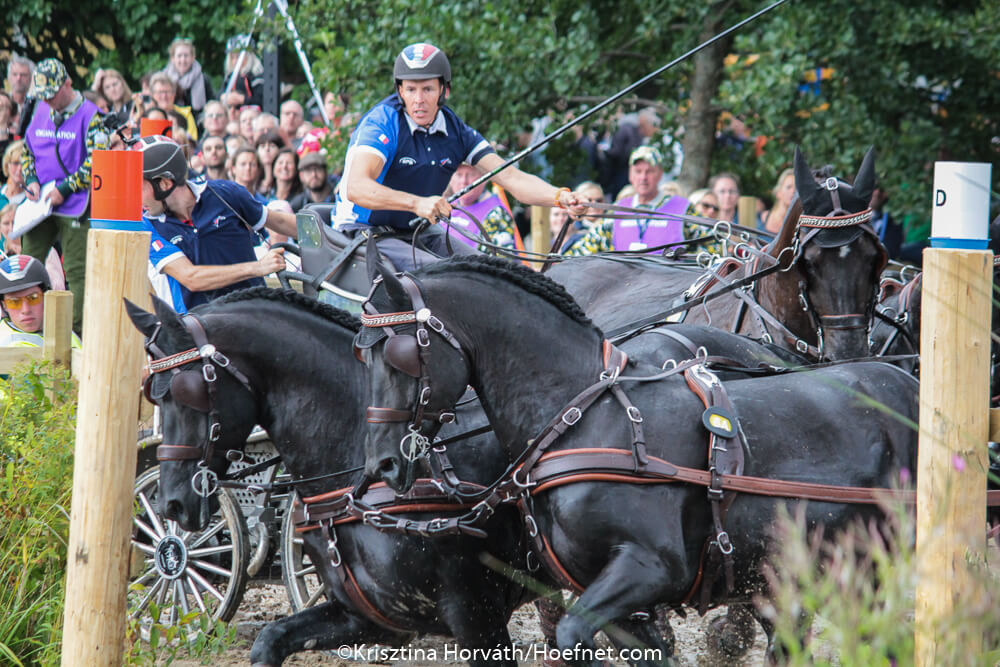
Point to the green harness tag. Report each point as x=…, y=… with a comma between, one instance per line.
x=719, y=421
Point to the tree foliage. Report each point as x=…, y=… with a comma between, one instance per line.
x=918, y=79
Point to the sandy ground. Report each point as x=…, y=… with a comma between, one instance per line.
x=264, y=603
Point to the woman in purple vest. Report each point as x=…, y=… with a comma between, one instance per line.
x=65, y=129
x=639, y=233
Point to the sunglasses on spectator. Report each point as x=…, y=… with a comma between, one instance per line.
x=710, y=207
x=15, y=302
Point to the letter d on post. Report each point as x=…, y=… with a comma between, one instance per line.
x=960, y=217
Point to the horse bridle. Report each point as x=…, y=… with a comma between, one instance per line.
x=838, y=218
x=197, y=389
x=409, y=353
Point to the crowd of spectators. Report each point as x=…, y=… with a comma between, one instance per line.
x=225, y=135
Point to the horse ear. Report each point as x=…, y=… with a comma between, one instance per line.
x=144, y=321
x=393, y=287
x=805, y=184
x=864, y=182
x=168, y=317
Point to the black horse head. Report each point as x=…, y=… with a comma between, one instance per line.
x=841, y=257
x=189, y=411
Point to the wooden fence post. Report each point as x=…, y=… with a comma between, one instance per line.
x=746, y=212
x=58, y=327
x=105, y=451
x=954, y=408
x=541, y=236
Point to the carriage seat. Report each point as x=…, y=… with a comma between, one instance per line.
x=330, y=255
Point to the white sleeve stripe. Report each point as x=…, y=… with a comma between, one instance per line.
x=368, y=149
x=479, y=148
x=166, y=260
x=263, y=219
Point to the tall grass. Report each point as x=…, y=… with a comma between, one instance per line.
x=862, y=594
x=37, y=422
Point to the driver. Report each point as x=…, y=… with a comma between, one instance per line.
x=403, y=153
x=203, y=232
x=23, y=283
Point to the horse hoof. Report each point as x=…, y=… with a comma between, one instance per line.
x=728, y=639
x=553, y=662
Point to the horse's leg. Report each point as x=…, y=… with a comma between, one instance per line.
x=637, y=640
x=476, y=625
x=630, y=582
x=325, y=626
x=550, y=613
x=731, y=636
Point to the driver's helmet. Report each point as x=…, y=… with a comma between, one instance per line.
x=162, y=157
x=422, y=61
x=19, y=272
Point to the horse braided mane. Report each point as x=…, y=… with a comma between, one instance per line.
x=291, y=297
x=520, y=275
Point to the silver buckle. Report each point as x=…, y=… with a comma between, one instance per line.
x=634, y=414
x=801, y=345
x=571, y=416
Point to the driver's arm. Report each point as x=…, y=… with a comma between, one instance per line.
x=362, y=188
x=528, y=188
x=201, y=278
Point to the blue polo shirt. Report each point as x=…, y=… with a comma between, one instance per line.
x=416, y=160
x=215, y=235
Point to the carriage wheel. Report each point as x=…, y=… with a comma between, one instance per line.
x=305, y=589
x=173, y=572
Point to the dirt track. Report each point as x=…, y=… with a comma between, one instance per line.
x=265, y=603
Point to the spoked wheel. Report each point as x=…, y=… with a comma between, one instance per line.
x=175, y=572
x=305, y=589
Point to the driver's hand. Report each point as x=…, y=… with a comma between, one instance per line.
x=433, y=208
x=272, y=262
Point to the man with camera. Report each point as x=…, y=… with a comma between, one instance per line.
x=64, y=131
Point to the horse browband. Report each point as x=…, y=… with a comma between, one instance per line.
x=207, y=353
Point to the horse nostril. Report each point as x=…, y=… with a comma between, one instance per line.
x=173, y=509
x=387, y=465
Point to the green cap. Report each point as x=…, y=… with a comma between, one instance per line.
x=49, y=78
x=646, y=154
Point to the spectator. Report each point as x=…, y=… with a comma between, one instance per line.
x=624, y=140
x=246, y=171
x=335, y=105
x=247, y=117
x=19, y=73
x=267, y=149
x=8, y=120
x=285, y=171
x=590, y=191
x=23, y=283
x=489, y=209
x=726, y=187
x=317, y=187
x=164, y=92
x=784, y=195
x=639, y=233
x=65, y=129
x=193, y=88
x=235, y=143
x=889, y=231
x=249, y=86
x=213, y=155
x=262, y=124
x=214, y=120
x=8, y=246
x=705, y=203
x=292, y=117
x=98, y=99
x=111, y=84
x=13, y=187
x=212, y=227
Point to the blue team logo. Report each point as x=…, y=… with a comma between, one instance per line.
x=217, y=220
x=418, y=55
x=445, y=162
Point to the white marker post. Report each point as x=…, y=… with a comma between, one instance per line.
x=954, y=400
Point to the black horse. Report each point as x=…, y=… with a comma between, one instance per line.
x=305, y=387
x=821, y=303
x=527, y=349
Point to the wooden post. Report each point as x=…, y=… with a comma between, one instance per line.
x=954, y=424
x=746, y=215
x=58, y=325
x=541, y=235
x=105, y=453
